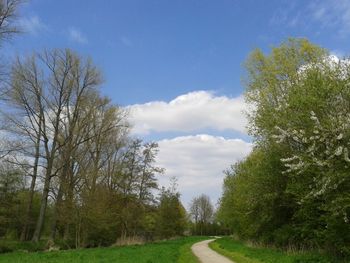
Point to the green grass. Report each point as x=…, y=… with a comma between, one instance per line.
x=186, y=255
x=241, y=253
x=177, y=251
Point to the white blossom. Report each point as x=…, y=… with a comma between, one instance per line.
x=290, y=159
x=338, y=151
x=346, y=155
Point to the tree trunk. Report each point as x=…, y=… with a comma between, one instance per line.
x=55, y=213
x=40, y=221
x=24, y=234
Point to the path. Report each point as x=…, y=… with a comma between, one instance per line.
x=206, y=254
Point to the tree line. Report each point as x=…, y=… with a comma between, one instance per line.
x=293, y=190
x=64, y=138
x=69, y=170
x=70, y=173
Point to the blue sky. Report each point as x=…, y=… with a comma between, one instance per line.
x=157, y=50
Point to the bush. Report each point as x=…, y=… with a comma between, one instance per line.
x=11, y=245
x=284, y=236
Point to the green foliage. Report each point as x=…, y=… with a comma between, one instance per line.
x=293, y=190
x=98, y=218
x=149, y=224
x=269, y=78
x=13, y=198
x=171, y=215
x=254, y=201
x=178, y=250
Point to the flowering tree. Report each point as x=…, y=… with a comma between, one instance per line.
x=299, y=168
x=319, y=146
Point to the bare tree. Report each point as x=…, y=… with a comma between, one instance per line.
x=47, y=92
x=8, y=15
x=8, y=28
x=69, y=79
x=22, y=118
x=202, y=212
x=90, y=141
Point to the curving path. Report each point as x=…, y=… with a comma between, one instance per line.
x=206, y=254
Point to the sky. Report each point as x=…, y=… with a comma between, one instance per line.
x=177, y=66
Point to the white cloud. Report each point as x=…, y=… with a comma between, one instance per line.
x=198, y=162
x=76, y=36
x=32, y=25
x=193, y=111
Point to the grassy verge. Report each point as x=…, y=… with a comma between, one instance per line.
x=176, y=251
x=186, y=255
x=241, y=253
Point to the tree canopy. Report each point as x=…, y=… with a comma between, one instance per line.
x=294, y=187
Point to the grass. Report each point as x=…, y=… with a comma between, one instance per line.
x=241, y=253
x=177, y=251
x=186, y=255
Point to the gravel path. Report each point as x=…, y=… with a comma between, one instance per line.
x=206, y=254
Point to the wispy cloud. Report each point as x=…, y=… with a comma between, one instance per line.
x=285, y=15
x=333, y=14
x=32, y=25
x=77, y=36
x=321, y=14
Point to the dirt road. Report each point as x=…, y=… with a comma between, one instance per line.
x=206, y=254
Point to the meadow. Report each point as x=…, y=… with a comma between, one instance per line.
x=177, y=250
